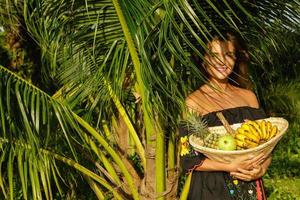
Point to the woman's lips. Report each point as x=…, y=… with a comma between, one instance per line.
x=221, y=69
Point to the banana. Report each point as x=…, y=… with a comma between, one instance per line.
x=256, y=126
x=239, y=148
x=240, y=144
x=253, y=134
x=242, y=131
x=250, y=144
x=274, y=131
x=245, y=126
x=268, y=129
x=240, y=137
x=263, y=129
x=246, y=130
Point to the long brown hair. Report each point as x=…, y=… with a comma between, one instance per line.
x=240, y=74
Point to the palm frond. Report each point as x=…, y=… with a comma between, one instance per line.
x=22, y=128
x=282, y=99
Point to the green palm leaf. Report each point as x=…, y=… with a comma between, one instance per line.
x=23, y=134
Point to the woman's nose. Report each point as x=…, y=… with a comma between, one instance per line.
x=221, y=59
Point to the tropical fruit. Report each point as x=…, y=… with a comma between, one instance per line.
x=211, y=140
x=227, y=142
x=254, y=132
x=249, y=135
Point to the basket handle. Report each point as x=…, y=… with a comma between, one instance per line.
x=225, y=123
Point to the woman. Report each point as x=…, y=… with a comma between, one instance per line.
x=214, y=180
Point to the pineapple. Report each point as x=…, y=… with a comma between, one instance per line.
x=197, y=126
x=211, y=140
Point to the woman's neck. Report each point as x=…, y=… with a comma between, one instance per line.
x=222, y=86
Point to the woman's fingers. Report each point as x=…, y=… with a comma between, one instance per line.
x=257, y=159
x=251, y=161
x=247, y=174
x=252, y=172
x=259, y=162
x=248, y=162
x=253, y=158
x=244, y=171
x=241, y=176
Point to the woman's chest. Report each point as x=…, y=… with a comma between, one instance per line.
x=223, y=101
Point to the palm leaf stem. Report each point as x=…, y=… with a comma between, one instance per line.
x=1, y=181
x=95, y=188
x=186, y=187
x=134, y=135
x=149, y=125
x=10, y=174
x=22, y=174
x=85, y=171
x=137, y=67
x=111, y=151
x=104, y=160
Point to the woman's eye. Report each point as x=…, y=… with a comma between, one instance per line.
x=230, y=54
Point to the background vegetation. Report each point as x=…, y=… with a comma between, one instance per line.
x=92, y=92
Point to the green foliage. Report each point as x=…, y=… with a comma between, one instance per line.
x=107, y=60
x=286, y=188
x=286, y=155
x=4, y=55
x=275, y=73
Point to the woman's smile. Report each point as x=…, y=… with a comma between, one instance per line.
x=221, y=69
x=220, y=61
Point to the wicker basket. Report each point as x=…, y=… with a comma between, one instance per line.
x=229, y=156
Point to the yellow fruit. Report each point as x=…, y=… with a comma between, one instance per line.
x=240, y=137
x=251, y=144
x=263, y=129
x=239, y=148
x=245, y=126
x=268, y=129
x=253, y=134
x=242, y=131
x=256, y=126
x=274, y=131
x=246, y=130
x=240, y=144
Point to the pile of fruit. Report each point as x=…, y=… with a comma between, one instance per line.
x=249, y=135
x=253, y=133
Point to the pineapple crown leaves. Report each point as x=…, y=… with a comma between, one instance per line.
x=195, y=124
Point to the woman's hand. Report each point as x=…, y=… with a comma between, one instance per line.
x=252, y=174
x=248, y=175
x=246, y=163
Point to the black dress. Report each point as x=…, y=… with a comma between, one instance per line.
x=220, y=185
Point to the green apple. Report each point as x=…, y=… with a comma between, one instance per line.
x=227, y=143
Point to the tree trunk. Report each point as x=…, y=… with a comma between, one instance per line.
x=148, y=183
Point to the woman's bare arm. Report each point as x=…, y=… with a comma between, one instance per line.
x=246, y=163
x=257, y=172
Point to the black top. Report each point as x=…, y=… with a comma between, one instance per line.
x=220, y=185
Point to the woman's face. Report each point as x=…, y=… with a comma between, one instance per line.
x=220, y=61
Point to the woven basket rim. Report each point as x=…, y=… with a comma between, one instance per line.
x=281, y=120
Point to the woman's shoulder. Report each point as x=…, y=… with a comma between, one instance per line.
x=193, y=101
x=249, y=96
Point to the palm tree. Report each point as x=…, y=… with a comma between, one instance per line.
x=119, y=68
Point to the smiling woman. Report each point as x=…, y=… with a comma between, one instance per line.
x=224, y=60
x=220, y=62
